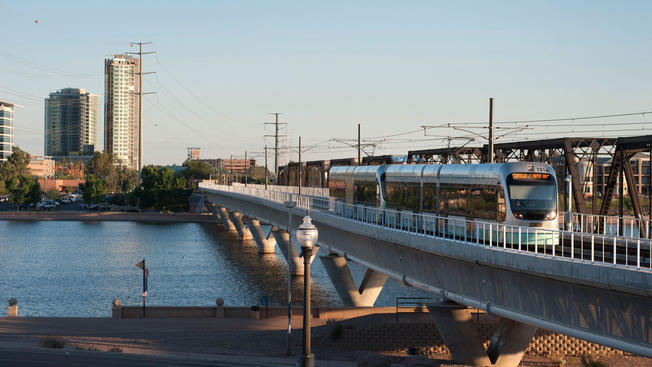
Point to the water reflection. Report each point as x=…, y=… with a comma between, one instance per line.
x=76, y=268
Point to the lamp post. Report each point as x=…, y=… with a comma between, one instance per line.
x=290, y=205
x=307, y=235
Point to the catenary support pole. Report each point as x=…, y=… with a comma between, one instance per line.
x=491, y=130
x=266, y=174
x=359, y=147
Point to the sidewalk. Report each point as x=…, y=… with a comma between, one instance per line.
x=235, y=341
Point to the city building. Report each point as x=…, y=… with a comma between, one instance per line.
x=234, y=166
x=640, y=164
x=121, y=85
x=71, y=122
x=193, y=154
x=6, y=129
x=41, y=166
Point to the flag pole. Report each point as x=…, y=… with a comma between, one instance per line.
x=144, y=288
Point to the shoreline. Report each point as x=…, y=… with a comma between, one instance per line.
x=107, y=216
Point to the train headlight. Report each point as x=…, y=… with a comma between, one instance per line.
x=551, y=215
x=518, y=215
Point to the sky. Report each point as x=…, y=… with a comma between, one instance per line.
x=392, y=66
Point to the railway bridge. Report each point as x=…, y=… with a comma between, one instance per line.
x=592, y=286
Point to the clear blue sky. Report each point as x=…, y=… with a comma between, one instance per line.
x=389, y=65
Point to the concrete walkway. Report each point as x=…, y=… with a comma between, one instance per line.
x=242, y=341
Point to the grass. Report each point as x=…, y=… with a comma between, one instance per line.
x=53, y=342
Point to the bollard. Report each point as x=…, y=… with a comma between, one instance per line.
x=219, y=311
x=116, y=309
x=12, y=310
x=255, y=312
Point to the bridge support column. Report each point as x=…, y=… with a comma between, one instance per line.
x=456, y=327
x=340, y=275
x=266, y=244
x=294, y=261
x=224, y=215
x=236, y=219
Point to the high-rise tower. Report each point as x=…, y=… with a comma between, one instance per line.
x=71, y=122
x=121, y=84
x=6, y=130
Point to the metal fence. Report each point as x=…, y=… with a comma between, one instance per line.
x=310, y=191
x=605, y=224
x=616, y=250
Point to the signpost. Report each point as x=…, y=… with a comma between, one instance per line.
x=145, y=276
x=264, y=301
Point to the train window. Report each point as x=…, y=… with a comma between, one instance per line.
x=429, y=197
x=337, y=188
x=472, y=201
x=532, y=196
x=366, y=192
x=403, y=195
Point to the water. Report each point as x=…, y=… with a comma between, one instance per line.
x=78, y=268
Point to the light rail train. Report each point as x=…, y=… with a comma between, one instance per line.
x=516, y=194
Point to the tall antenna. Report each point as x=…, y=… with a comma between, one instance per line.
x=140, y=73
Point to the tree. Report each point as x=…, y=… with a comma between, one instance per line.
x=24, y=189
x=93, y=190
x=52, y=194
x=197, y=170
x=17, y=162
x=127, y=179
x=163, y=189
x=102, y=167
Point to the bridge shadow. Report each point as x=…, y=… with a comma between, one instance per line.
x=266, y=274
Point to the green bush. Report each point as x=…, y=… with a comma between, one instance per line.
x=53, y=342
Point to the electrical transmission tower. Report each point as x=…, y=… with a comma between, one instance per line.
x=276, y=136
x=140, y=73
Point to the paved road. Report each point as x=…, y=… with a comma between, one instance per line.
x=55, y=358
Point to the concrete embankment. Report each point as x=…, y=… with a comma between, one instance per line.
x=107, y=216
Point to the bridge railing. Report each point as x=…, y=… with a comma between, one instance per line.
x=310, y=191
x=629, y=252
x=606, y=224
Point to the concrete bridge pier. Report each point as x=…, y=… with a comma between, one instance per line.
x=294, y=261
x=222, y=213
x=266, y=244
x=236, y=219
x=455, y=325
x=340, y=275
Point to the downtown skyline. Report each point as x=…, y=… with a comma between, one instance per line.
x=222, y=67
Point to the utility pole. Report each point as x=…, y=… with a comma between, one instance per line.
x=359, y=147
x=140, y=101
x=266, y=167
x=245, y=169
x=491, y=130
x=230, y=170
x=300, y=176
x=276, y=136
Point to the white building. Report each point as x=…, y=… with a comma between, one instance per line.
x=6, y=129
x=121, y=108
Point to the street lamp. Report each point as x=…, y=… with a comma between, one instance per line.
x=307, y=235
x=290, y=205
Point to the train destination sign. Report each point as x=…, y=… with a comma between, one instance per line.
x=530, y=176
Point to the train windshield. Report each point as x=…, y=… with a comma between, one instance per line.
x=532, y=195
